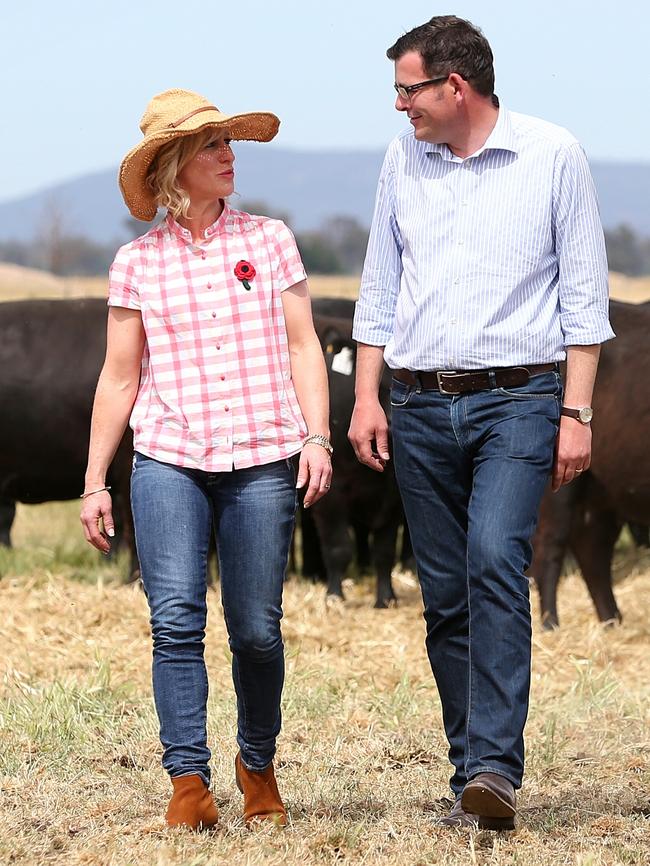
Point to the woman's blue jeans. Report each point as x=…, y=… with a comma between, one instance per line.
x=472, y=469
x=252, y=510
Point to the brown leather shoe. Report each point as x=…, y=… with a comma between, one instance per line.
x=191, y=804
x=261, y=796
x=492, y=798
x=457, y=817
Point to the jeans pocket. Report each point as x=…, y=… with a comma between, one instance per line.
x=547, y=386
x=400, y=393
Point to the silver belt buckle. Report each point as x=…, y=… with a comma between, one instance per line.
x=440, y=373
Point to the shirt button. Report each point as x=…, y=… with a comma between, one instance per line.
x=209, y=285
x=214, y=315
x=218, y=345
x=226, y=408
x=223, y=378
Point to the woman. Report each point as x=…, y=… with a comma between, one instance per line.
x=212, y=353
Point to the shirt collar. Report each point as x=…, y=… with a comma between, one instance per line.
x=502, y=137
x=223, y=223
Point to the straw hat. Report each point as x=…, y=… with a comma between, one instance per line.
x=170, y=115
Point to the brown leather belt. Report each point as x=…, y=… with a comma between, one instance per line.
x=460, y=381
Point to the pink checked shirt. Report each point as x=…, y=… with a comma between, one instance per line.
x=215, y=390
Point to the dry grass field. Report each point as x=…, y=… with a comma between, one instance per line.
x=17, y=282
x=361, y=759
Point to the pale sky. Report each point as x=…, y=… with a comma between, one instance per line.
x=76, y=76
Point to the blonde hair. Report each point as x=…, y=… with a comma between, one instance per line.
x=171, y=159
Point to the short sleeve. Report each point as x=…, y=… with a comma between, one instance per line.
x=122, y=280
x=288, y=268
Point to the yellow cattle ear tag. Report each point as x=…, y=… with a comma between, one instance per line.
x=342, y=362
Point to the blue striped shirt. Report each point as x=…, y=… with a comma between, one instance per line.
x=493, y=260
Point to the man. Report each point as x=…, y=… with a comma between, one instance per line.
x=485, y=267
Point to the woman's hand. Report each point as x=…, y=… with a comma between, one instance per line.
x=97, y=511
x=315, y=467
x=114, y=397
x=309, y=376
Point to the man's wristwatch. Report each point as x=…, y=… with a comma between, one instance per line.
x=319, y=439
x=583, y=415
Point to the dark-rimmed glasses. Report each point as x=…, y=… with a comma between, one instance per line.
x=406, y=91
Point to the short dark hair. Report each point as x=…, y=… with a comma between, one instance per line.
x=449, y=44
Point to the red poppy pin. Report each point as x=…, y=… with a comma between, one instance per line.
x=245, y=272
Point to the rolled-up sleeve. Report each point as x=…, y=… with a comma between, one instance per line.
x=382, y=270
x=580, y=248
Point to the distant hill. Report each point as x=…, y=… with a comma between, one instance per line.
x=310, y=186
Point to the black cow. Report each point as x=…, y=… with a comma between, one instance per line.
x=51, y=353
x=332, y=322
x=360, y=500
x=587, y=515
x=337, y=308
x=332, y=319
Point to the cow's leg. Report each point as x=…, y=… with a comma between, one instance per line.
x=384, y=542
x=313, y=566
x=7, y=515
x=120, y=479
x=592, y=541
x=406, y=557
x=640, y=534
x=338, y=556
x=336, y=544
x=362, y=540
x=124, y=532
x=550, y=544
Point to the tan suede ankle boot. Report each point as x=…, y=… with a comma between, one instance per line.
x=191, y=804
x=261, y=796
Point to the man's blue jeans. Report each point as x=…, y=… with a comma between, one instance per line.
x=472, y=469
x=253, y=512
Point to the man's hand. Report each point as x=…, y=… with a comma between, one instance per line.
x=573, y=446
x=369, y=431
x=572, y=451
